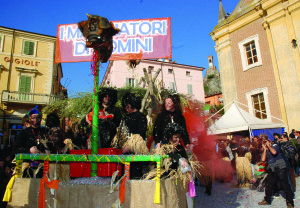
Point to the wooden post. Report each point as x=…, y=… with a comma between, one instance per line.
x=148, y=90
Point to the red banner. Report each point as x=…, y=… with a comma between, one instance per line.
x=138, y=39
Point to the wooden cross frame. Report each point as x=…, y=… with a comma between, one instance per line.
x=150, y=91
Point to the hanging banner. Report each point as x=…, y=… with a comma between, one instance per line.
x=138, y=39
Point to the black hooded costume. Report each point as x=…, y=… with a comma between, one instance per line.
x=108, y=127
x=136, y=123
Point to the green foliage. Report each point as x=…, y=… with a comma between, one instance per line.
x=76, y=106
x=79, y=105
x=206, y=90
x=215, y=108
x=210, y=76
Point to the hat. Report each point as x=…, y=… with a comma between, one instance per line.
x=172, y=129
x=130, y=98
x=34, y=111
x=52, y=120
x=111, y=92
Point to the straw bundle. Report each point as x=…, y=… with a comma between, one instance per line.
x=153, y=173
x=25, y=165
x=137, y=145
x=26, y=168
x=184, y=177
x=41, y=165
x=248, y=156
x=164, y=149
x=68, y=145
x=198, y=169
x=44, y=142
x=121, y=136
x=243, y=170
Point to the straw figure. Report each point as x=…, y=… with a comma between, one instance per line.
x=243, y=166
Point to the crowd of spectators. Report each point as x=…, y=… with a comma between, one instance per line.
x=279, y=153
x=53, y=133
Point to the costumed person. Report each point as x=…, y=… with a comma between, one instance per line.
x=277, y=172
x=171, y=112
x=57, y=145
x=25, y=121
x=243, y=166
x=178, y=165
x=172, y=136
x=135, y=125
x=33, y=139
x=55, y=142
x=67, y=132
x=224, y=171
x=233, y=146
x=109, y=116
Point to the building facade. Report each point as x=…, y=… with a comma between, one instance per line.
x=258, y=54
x=28, y=76
x=177, y=77
x=214, y=99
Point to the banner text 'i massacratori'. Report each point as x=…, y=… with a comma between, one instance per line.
x=138, y=39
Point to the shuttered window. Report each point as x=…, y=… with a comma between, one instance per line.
x=190, y=89
x=1, y=42
x=28, y=47
x=130, y=82
x=172, y=86
x=24, y=84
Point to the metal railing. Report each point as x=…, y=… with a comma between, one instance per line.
x=27, y=97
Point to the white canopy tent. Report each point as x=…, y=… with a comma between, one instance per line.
x=236, y=119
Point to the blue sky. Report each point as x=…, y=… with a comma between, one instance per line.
x=191, y=23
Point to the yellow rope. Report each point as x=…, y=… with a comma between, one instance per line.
x=157, y=187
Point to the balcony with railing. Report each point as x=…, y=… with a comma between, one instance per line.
x=25, y=97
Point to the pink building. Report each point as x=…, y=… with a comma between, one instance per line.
x=180, y=78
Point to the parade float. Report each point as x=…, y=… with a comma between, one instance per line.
x=56, y=189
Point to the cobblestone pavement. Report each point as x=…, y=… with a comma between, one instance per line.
x=225, y=195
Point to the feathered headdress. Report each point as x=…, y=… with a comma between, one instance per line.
x=34, y=111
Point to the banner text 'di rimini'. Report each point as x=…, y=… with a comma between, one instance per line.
x=138, y=39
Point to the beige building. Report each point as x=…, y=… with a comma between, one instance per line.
x=28, y=76
x=258, y=53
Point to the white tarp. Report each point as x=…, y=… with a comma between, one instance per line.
x=236, y=119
